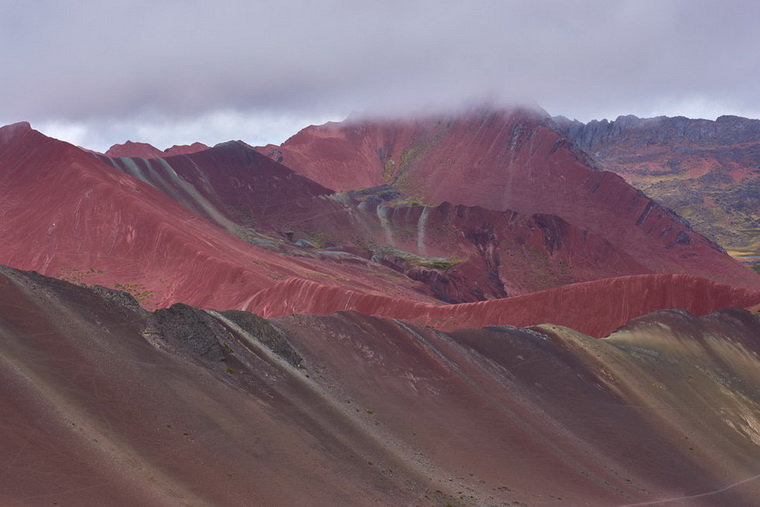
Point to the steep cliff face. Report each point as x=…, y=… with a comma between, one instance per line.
x=707, y=171
x=105, y=403
x=516, y=160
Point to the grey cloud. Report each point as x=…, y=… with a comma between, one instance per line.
x=173, y=62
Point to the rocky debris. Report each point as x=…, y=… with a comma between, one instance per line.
x=683, y=238
x=118, y=297
x=376, y=195
x=271, y=151
x=198, y=332
x=554, y=229
x=266, y=333
x=487, y=245
x=190, y=329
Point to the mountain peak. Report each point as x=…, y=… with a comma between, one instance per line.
x=185, y=149
x=134, y=149
x=8, y=132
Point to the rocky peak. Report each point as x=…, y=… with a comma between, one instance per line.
x=134, y=149
x=594, y=135
x=185, y=149
x=13, y=130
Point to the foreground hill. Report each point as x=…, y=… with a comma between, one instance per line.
x=106, y=403
x=505, y=160
x=707, y=171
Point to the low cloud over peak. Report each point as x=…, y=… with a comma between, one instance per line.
x=98, y=70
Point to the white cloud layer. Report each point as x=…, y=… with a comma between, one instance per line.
x=172, y=72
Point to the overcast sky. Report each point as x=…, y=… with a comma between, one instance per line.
x=171, y=72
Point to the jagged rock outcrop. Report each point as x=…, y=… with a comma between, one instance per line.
x=597, y=135
x=707, y=171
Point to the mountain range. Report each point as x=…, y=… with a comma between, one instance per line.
x=523, y=315
x=706, y=171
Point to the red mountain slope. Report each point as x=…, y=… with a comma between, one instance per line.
x=462, y=253
x=506, y=160
x=106, y=404
x=65, y=213
x=230, y=184
x=90, y=223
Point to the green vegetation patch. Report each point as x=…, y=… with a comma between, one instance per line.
x=441, y=263
x=389, y=169
x=141, y=293
x=413, y=260
x=319, y=239
x=77, y=276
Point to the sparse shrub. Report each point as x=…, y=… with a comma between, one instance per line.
x=141, y=293
x=77, y=276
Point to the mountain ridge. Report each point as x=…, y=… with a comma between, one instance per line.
x=505, y=160
x=146, y=150
x=707, y=171
x=138, y=375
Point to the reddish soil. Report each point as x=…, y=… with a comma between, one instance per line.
x=92, y=224
x=73, y=216
x=228, y=184
x=502, y=160
x=491, y=254
x=105, y=403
